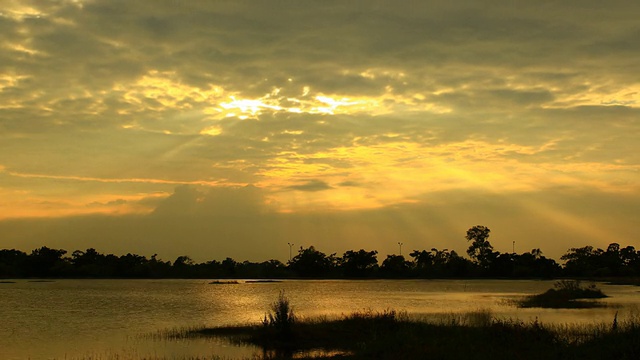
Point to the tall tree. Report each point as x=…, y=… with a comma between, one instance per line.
x=480, y=249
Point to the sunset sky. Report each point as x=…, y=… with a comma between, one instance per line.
x=228, y=128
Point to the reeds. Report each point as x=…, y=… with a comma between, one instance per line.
x=281, y=316
x=390, y=334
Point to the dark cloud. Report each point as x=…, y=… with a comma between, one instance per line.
x=187, y=201
x=350, y=184
x=182, y=203
x=311, y=185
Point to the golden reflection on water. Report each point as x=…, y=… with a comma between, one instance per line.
x=68, y=318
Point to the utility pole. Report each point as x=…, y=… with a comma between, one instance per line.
x=290, y=246
x=514, y=246
x=400, y=244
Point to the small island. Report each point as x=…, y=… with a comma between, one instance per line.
x=566, y=294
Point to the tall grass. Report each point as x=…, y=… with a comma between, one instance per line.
x=281, y=316
x=390, y=334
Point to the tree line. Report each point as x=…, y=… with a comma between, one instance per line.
x=482, y=261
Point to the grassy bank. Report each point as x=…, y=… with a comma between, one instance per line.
x=390, y=335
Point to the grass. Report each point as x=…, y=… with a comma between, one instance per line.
x=281, y=318
x=394, y=335
x=567, y=294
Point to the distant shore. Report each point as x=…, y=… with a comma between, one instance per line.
x=615, y=264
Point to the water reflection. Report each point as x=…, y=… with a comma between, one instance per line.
x=72, y=318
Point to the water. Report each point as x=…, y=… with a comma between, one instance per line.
x=103, y=319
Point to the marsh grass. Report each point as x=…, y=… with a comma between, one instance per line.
x=567, y=294
x=281, y=317
x=390, y=334
x=478, y=317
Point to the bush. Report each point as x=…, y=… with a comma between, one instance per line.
x=281, y=316
x=575, y=290
x=564, y=295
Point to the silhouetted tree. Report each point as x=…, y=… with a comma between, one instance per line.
x=312, y=263
x=436, y=263
x=582, y=261
x=542, y=266
x=359, y=263
x=457, y=266
x=91, y=263
x=587, y=261
x=501, y=265
x=132, y=266
x=229, y=267
x=480, y=249
x=423, y=260
x=395, y=266
x=183, y=267
x=46, y=262
x=158, y=268
x=183, y=261
x=630, y=260
x=272, y=269
x=12, y=263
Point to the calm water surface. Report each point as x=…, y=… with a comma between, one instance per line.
x=75, y=319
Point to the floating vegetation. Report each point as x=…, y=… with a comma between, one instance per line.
x=220, y=282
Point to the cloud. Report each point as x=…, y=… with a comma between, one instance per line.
x=322, y=107
x=221, y=202
x=350, y=184
x=311, y=185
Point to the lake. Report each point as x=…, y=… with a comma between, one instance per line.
x=113, y=319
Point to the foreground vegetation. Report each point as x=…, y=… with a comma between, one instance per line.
x=392, y=335
x=482, y=261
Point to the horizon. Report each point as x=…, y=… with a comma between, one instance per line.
x=197, y=128
x=295, y=250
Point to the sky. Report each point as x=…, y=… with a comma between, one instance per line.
x=219, y=129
